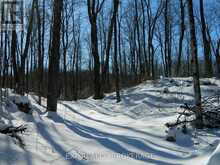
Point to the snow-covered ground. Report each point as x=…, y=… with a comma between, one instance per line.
x=105, y=133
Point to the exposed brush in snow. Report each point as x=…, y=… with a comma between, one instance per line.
x=14, y=133
x=210, y=114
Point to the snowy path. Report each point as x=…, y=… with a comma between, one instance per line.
x=104, y=133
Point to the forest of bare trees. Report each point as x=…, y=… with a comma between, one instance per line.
x=72, y=49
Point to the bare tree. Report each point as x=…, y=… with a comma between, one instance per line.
x=182, y=32
x=116, y=4
x=14, y=57
x=167, y=41
x=54, y=58
x=195, y=66
x=152, y=20
x=40, y=55
x=217, y=56
x=206, y=43
x=24, y=55
x=109, y=41
x=94, y=7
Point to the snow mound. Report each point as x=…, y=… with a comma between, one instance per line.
x=17, y=99
x=22, y=102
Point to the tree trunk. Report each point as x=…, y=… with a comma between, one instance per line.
x=40, y=59
x=217, y=55
x=14, y=59
x=206, y=44
x=139, y=54
x=54, y=58
x=25, y=53
x=116, y=3
x=144, y=40
x=109, y=41
x=93, y=10
x=97, y=81
x=182, y=31
x=167, y=39
x=195, y=67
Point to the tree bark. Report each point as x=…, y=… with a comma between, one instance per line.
x=93, y=10
x=182, y=32
x=40, y=56
x=116, y=3
x=25, y=53
x=54, y=58
x=217, y=55
x=195, y=66
x=167, y=41
x=109, y=41
x=206, y=44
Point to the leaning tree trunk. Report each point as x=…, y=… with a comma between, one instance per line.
x=195, y=67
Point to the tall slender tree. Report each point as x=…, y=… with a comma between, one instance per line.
x=206, y=43
x=217, y=56
x=94, y=7
x=195, y=66
x=109, y=41
x=24, y=55
x=116, y=4
x=40, y=55
x=167, y=40
x=54, y=57
x=182, y=32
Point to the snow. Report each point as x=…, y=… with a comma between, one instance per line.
x=171, y=134
x=17, y=99
x=98, y=132
x=215, y=156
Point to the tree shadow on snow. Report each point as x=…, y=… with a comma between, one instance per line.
x=108, y=140
x=107, y=123
x=42, y=130
x=9, y=155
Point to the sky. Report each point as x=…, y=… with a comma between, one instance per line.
x=85, y=27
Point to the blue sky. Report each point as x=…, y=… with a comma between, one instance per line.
x=85, y=27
